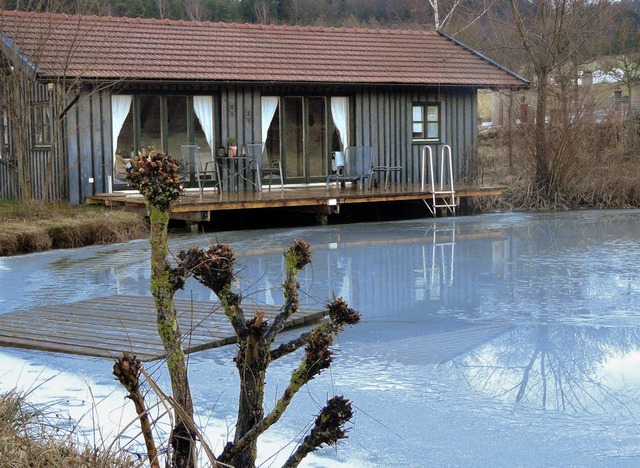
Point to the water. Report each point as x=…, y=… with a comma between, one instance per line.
x=496, y=340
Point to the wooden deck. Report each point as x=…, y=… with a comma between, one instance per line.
x=196, y=206
x=107, y=326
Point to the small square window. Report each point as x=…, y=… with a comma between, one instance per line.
x=4, y=134
x=426, y=121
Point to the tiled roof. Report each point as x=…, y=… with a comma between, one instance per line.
x=127, y=48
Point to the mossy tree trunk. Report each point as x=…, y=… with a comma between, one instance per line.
x=252, y=362
x=163, y=288
x=157, y=177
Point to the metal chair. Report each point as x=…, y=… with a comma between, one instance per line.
x=192, y=166
x=354, y=165
x=382, y=168
x=263, y=166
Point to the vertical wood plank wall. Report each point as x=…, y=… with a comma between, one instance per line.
x=383, y=121
x=88, y=145
x=40, y=162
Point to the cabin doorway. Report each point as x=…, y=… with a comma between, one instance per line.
x=299, y=132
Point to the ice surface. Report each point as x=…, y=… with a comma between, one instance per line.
x=495, y=340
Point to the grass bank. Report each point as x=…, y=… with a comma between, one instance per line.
x=28, y=437
x=57, y=226
x=595, y=171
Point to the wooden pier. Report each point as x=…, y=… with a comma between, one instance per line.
x=198, y=206
x=107, y=326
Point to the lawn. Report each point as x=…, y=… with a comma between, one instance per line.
x=55, y=226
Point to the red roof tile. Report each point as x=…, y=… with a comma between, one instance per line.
x=134, y=48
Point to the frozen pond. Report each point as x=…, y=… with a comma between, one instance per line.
x=496, y=340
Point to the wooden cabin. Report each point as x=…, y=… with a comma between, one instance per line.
x=110, y=86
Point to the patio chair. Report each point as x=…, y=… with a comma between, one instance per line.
x=191, y=164
x=263, y=166
x=380, y=168
x=354, y=165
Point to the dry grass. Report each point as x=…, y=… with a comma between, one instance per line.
x=596, y=170
x=44, y=227
x=27, y=438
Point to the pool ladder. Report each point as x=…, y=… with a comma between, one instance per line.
x=442, y=196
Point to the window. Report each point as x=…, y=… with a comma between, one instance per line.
x=4, y=134
x=426, y=121
x=41, y=124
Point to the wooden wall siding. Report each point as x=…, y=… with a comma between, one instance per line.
x=47, y=176
x=88, y=145
x=382, y=119
x=39, y=166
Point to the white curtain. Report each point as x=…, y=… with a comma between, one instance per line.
x=269, y=106
x=203, y=107
x=339, y=112
x=120, y=106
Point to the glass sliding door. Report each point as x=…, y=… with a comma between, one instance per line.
x=316, y=143
x=150, y=122
x=294, y=139
x=303, y=122
x=177, y=126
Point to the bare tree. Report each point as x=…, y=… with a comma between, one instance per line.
x=554, y=35
x=624, y=64
x=162, y=6
x=263, y=12
x=37, y=96
x=444, y=8
x=196, y=10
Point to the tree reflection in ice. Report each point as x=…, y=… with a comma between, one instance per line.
x=555, y=367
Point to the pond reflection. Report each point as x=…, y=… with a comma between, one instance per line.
x=523, y=325
x=556, y=367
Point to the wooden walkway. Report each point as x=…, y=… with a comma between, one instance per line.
x=107, y=326
x=196, y=206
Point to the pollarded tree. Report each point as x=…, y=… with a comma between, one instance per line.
x=156, y=176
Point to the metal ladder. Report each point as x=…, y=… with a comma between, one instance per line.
x=443, y=196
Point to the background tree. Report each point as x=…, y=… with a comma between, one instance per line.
x=34, y=100
x=623, y=60
x=554, y=35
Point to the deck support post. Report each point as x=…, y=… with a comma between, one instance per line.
x=193, y=227
x=322, y=219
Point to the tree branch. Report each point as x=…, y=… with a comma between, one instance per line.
x=328, y=429
x=297, y=343
x=523, y=33
x=316, y=359
x=297, y=257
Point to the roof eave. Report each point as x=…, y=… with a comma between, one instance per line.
x=484, y=57
x=12, y=50
x=116, y=80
